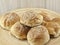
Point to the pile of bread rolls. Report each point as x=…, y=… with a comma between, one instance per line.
x=37, y=25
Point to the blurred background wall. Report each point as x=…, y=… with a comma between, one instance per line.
x=7, y=5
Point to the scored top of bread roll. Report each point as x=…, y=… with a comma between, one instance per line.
x=38, y=36
x=31, y=18
x=9, y=19
x=19, y=31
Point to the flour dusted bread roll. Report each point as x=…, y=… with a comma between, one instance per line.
x=19, y=31
x=9, y=19
x=53, y=28
x=38, y=36
x=56, y=20
x=31, y=18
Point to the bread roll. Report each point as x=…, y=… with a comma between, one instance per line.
x=8, y=20
x=56, y=20
x=19, y=31
x=53, y=28
x=31, y=18
x=46, y=16
x=38, y=36
x=50, y=13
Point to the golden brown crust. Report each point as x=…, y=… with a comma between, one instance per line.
x=9, y=19
x=56, y=20
x=46, y=16
x=53, y=28
x=19, y=31
x=38, y=35
x=31, y=18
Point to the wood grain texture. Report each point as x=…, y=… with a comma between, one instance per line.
x=53, y=5
x=7, y=5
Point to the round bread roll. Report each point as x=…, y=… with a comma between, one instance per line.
x=46, y=16
x=53, y=28
x=38, y=36
x=31, y=18
x=56, y=20
x=51, y=14
x=19, y=31
x=8, y=20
